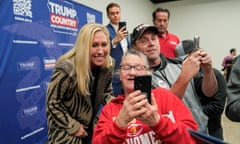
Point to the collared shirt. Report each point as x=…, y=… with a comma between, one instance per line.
x=168, y=45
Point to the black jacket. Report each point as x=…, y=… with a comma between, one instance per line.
x=213, y=106
x=233, y=93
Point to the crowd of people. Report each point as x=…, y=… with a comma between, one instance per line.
x=91, y=96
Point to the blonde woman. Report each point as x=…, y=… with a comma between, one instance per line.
x=80, y=84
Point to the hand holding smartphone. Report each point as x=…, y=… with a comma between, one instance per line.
x=122, y=24
x=144, y=83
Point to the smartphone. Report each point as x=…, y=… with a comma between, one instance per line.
x=122, y=24
x=144, y=83
x=196, y=41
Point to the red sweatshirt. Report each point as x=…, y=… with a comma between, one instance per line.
x=175, y=119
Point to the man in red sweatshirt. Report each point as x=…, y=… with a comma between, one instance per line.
x=131, y=119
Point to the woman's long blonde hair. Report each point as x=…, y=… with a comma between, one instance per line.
x=80, y=55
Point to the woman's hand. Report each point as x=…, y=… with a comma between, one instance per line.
x=81, y=131
x=151, y=116
x=133, y=106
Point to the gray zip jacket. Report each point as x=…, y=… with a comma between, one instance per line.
x=165, y=76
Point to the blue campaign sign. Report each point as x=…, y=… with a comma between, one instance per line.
x=33, y=34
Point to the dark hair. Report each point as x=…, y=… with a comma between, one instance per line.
x=232, y=50
x=110, y=5
x=160, y=10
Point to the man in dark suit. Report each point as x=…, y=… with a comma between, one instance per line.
x=119, y=41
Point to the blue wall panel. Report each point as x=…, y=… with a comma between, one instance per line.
x=33, y=34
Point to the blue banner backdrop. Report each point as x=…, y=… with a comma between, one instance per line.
x=33, y=34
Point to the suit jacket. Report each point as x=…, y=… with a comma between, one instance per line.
x=116, y=53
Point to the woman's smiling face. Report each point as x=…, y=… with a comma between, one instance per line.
x=99, y=49
x=131, y=66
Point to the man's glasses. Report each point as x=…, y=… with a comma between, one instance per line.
x=135, y=67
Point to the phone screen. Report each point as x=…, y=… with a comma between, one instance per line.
x=144, y=83
x=121, y=24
